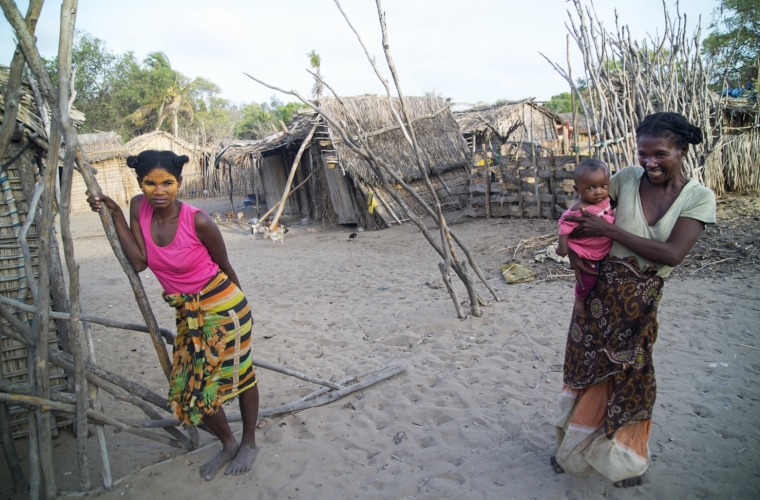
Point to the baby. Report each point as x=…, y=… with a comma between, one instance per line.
x=592, y=183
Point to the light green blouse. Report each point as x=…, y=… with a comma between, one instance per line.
x=695, y=201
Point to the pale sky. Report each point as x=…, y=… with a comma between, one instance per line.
x=473, y=50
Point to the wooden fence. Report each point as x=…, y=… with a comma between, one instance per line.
x=521, y=187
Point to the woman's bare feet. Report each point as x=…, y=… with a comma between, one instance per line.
x=579, y=309
x=213, y=466
x=243, y=460
x=627, y=483
x=556, y=466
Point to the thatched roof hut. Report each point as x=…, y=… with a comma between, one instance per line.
x=342, y=181
x=511, y=122
x=195, y=174
x=108, y=156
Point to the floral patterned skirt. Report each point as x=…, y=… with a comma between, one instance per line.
x=212, y=350
x=605, y=407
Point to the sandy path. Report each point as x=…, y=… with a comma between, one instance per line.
x=475, y=398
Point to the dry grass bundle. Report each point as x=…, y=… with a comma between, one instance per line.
x=441, y=143
x=102, y=146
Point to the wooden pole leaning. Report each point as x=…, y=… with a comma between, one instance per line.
x=65, y=97
x=296, y=162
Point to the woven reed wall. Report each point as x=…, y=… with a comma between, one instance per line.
x=13, y=211
x=117, y=180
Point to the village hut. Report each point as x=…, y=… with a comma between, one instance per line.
x=196, y=180
x=734, y=164
x=19, y=170
x=506, y=127
x=585, y=133
x=341, y=186
x=108, y=157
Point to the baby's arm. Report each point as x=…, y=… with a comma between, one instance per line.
x=562, y=246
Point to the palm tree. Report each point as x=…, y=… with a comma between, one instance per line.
x=316, y=62
x=172, y=100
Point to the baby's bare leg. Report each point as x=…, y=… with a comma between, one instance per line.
x=579, y=308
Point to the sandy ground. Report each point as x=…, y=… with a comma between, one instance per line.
x=476, y=395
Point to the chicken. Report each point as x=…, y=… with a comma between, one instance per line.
x=276, y=235
x=256, y=226
x=229, y=216
x=217, y=217
x=240, y=217
x=352, y=237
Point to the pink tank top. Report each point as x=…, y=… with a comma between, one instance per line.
x=589, y=247
x=184, y=265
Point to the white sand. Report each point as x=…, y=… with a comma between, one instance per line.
x=475, y=397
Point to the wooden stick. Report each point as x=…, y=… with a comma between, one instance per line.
x=43, y=318
x=166, y=334
x=713, y=263
x=488, y=182
x=91, y=414
x=327, y=398
x=296, y=162
x=95, y=405
x=299, y=404
x=68, y=17
x=268, y=212
x=23, y=240
x=9, y=447
x=346, y=380
x=109, y=381
x=293, y=373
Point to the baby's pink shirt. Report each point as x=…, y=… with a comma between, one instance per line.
x=588, y=247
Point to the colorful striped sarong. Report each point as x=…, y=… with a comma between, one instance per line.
x=603, y=416
x=212, y=350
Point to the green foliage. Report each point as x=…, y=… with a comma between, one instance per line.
x=560, y=103
x=262, y=119
x=314, y=59
x=117, y=92
x=733, y=46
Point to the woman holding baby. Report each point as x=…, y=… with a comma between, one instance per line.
x=603, y=419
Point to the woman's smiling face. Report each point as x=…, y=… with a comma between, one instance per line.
x=661, y=158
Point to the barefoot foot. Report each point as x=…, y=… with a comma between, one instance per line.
x=213, y=466
x=579, y=309
x=627, y=483
x=556, y=466
x=243, y=460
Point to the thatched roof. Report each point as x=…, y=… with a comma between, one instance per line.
x=507, y=119
x=443, y=147
x=102, y=146
x=583, y=122
x=239, y=152
x=28, y=112
x=142, y=142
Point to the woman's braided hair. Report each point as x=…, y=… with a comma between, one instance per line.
x=151, y=159
x=673, y=126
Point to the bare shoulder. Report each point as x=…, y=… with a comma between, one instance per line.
x=134, y=205
x=203, y=224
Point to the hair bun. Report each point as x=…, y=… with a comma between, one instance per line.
x=180, y=161
x=132, y=161
x=693, y=134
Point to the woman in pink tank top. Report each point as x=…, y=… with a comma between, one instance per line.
x=212, y=350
